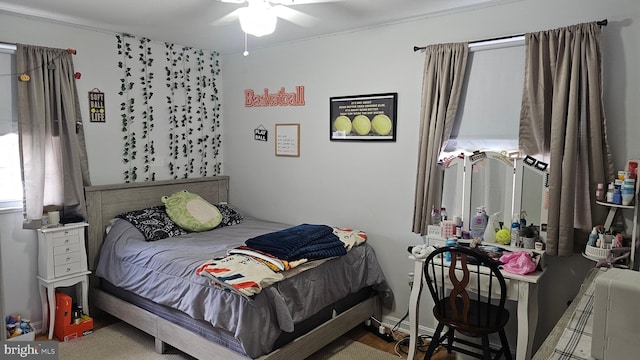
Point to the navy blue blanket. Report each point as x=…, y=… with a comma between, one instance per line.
x=305, y=241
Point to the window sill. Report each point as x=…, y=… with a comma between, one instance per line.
x=8, y=210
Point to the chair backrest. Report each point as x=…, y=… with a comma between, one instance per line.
x=474, y=279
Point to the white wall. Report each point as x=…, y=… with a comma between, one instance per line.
x=370, y=186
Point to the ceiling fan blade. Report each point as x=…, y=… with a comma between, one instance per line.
x=302, y=2
x=295, y=16
x=229, y=18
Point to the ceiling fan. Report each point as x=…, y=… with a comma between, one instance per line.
x=260, y=17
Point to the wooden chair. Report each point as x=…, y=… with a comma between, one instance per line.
x=475, y=314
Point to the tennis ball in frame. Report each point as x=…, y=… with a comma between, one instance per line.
x=342, y=124
x=381, y=124
x=361, y=125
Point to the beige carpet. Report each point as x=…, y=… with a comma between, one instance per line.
x=123, y=342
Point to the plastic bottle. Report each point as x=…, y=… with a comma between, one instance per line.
x=478, y=223
x=600, y=194
x=450, y=242
x=610, y=191
x=492, y=227
x=523, y=219
x=593, y=237
x=617, y=197
x=515, y=230
x=435, y=216
x=443, y=214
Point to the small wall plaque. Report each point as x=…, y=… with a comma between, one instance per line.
x=96, y=106
x=260, y=133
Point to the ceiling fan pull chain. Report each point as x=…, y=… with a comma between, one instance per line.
x=246, y=51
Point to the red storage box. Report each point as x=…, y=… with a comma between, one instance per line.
x=63, y=328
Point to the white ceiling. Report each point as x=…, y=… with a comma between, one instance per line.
x=197, y=22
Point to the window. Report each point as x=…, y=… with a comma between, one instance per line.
x=10, y=172
x=488, y=115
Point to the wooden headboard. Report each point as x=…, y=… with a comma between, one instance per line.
x=104, y=202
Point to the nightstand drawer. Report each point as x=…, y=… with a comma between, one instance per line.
x=72, y=238
x=59, y=250
x=64, y=259
x=67, y=269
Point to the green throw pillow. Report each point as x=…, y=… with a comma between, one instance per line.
x=191, y=212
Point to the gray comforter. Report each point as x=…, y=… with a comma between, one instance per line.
x=164, y=272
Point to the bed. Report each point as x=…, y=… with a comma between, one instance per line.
x=288, y=322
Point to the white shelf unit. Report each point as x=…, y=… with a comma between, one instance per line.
x=613, y=209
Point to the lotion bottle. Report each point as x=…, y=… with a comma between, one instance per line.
x=479, y=224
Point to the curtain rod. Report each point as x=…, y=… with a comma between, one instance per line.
x=10, y=44
x=418, y=48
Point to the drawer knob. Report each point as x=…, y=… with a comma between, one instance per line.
x=68, y=249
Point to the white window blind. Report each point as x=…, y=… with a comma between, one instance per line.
x=10, y=173
x=489, y=111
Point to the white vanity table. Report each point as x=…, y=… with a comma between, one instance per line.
x=520, y=288
x=505, y=186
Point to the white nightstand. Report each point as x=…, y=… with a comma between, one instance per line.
x=62, y=261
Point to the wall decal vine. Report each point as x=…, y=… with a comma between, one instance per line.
x=129, y=151
x=172, y=60
x=214, y=70
x=187, y=117
x=193, y=104
x=179, y=131
x=147, y=114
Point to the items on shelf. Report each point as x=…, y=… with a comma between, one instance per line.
x=622, y=190
x=17, y=326
x=609, y=244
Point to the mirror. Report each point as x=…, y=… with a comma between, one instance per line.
x=490, y=184
x=453, y=180
x=487, y=179
x=531, y=189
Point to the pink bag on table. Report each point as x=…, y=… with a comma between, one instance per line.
x=518, y=262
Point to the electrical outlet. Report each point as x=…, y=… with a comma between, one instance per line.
x=410, y=275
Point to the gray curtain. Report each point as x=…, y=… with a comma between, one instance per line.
x=52, y=147
x=563, y=117
x=444, y=71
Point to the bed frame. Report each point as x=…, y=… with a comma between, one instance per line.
x=104, y=202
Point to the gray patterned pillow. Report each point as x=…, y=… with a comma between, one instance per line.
x=153, y=223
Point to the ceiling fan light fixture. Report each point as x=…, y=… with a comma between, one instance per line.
x=258, y=18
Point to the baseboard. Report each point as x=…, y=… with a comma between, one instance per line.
x=391, y=321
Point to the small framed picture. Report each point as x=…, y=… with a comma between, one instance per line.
x=363, y=117
x=288, y=140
